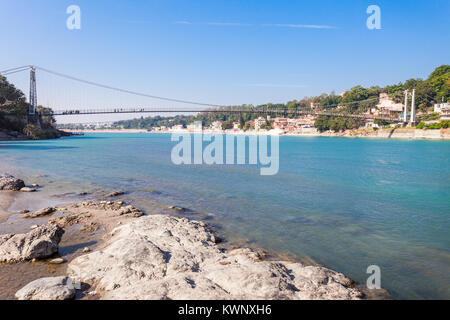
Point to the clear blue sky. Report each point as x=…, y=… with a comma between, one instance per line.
x=222, y=51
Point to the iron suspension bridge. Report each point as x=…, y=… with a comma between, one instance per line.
x=231, y=111
x=206, y=107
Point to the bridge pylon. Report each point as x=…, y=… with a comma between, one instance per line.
x=33, y=116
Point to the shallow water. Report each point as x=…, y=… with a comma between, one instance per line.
x=15, y=276
x=344, y=203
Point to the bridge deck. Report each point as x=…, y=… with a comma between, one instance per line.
x=267, y=111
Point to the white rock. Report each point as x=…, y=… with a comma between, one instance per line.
x=57, y=261
x=40, y=242
x=162, y=257
x=86, y=250
x=47, y=289
x=27, y=189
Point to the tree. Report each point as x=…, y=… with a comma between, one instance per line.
x=381, y=123
x=241, y=121
x=439, y=80
x=227, y=125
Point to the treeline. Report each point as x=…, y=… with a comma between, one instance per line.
x=325, y=123
x=14, y=114
x=357, y=100
x=150, y=122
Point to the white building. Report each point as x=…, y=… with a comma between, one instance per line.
x=259, y=122
x=216, y=125
x=177, y=127
x=194, y=127
x=385, y=103
x=443, y=109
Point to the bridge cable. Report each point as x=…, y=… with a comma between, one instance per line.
x=127, y=91
x=11, y=71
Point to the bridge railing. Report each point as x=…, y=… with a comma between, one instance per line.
x=265, y=111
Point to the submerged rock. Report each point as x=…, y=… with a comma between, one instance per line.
x=181, y=209
x=27, y=189
x=131, y=210
x=56, y=288
x=163, y=257
x=40, y=213
x=41, y=242
x=115, y=194
x=8, y=182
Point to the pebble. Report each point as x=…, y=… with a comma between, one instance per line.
x=86, y=250
x=34, y=226
x=57, y=261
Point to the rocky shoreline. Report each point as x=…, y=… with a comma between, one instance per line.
x=146, y=256
x=47, y=133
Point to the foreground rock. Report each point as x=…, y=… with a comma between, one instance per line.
x=8, y=182
x=39, y=243
x=91, y=215
x=162, y=257
x=47, y=289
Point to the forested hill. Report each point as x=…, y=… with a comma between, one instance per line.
x=356, y=100
x=13, y=117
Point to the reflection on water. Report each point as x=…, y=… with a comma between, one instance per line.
x=344, y=203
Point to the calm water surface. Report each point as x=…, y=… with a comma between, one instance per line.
x=345, y=203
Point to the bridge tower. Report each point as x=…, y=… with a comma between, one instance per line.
x=405, y=111
x=412, y=121
x=33, y=92
x=33, y=116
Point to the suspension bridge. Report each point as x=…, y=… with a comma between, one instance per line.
x=201, y=106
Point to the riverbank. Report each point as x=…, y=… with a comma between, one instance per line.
x=391, y=133
x=308, y=210
x=172, y=257
x=37, y=134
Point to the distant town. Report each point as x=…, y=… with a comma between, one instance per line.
x=386, y=107
x=374, y=111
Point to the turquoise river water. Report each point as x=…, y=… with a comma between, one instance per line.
x=343, y=203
